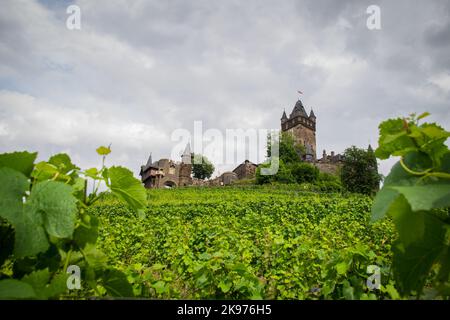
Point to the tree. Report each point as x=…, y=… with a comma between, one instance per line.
x=360, y=171
x=289, y=151
x=202, y=168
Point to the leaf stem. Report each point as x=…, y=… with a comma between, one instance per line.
x=415, y=173
x=66, y=264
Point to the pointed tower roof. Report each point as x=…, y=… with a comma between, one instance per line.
x=299, y=110
x=149, y=164
x=311, y=114
x=284, y=116
x=187, y=150
x=186, y=156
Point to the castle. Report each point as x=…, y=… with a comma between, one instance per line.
x=302, y=127
x=167, y=173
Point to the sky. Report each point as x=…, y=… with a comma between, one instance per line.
x=137, y=71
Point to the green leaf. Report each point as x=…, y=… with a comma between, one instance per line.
x=54, y=200
x=159, y=286
x=44, y=171
x=13, y=185
x=87, y=232
x=413, y=262
x=57, y=286
x=62, y=162
x=30, y=238
x=423, y=115
x=30, y=235
x=15, y=289
x=393, y=293
x=127, y=187
x=426, y=197
x=382, y=203
x=348, y=291
x=6, y=242
x=38, y=280
x=116, y=283
x=410, y=225
x=103, y=151
x=92, y=173
x=20, y=161
x=94, y=257
x=225, y=286
x=387, y=195
x=392, y=140
x=44, y=288
x=342, y=268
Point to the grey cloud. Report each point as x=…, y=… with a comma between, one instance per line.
x=161, y=65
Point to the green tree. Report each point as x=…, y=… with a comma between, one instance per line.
x=289, y=151
x=304, y=172
x=359, y=171
x=202, y=168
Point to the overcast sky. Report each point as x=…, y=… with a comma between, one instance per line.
x=138, y=70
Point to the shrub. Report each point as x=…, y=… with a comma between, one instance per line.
x=304, y=172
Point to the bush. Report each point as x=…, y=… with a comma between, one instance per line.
x=304, y=172
x=284, y=174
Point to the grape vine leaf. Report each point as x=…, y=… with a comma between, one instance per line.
x=30, y=237
x=54, y=200
x=116, y=283
x=426, y=197
x=413, y=262
x=20, y=161
x=16, y=289
x=62, y=162
x=127, y=187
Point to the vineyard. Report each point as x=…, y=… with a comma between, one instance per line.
x=275, y=242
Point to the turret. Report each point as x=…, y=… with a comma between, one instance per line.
x=312, y=116
x=284, y=117
x=186, y=156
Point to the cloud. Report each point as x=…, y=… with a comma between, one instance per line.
x=138, y=70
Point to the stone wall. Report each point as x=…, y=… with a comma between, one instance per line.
x=246, y=170
x=331, y=168
x=304, y=136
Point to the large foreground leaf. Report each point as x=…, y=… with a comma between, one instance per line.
x=54, y=200
x=15, y=289
x=426, y=197
x=413, y=262
x=30, y=238
x=20, y=161
x=127, y=187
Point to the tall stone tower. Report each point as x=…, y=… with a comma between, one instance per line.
x=186, y=167
x=303, y=129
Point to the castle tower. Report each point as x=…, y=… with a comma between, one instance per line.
x=303, y=129
x=185, y=178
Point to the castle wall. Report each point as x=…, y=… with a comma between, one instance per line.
x=330, y=168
